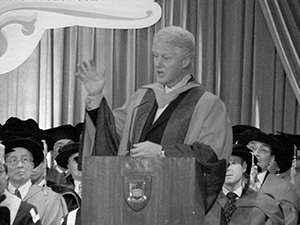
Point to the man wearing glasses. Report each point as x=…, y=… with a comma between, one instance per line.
x=61, y=135
x=21, y=156
x=12, y=209
x=237, y=202
x=265, y=149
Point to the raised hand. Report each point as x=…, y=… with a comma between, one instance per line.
x=93, y=81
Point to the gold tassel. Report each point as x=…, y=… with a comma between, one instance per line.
x=293, y=167
x=2, y=153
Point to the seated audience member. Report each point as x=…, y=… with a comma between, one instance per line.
x=39, y=177
x=16, y=211
x=29, y=128
x=265, y=148
x=22, y=155
x=68, y=159
x=239, y=204
x=61, y=135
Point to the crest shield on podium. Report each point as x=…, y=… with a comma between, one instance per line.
x=137, y=191
x=122, y=190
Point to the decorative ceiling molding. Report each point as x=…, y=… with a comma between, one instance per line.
x=22, y=23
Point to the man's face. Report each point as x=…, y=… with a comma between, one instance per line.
x=73, y=167
x=3, y=178
x=262, y=152
x=19, y=165
x=58, y=145
x=169, y=64
x=234, y=173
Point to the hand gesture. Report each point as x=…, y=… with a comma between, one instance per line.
x=93, y=81
x=146, y=149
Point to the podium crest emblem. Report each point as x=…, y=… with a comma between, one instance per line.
x=137, y=191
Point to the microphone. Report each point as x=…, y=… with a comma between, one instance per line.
x=130, y=136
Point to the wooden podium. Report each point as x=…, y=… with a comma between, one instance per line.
x=124, y=190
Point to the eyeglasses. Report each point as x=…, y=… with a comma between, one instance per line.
x=15, y=162
x=262, y=150
x=73, y=160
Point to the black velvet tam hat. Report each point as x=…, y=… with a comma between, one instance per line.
x=63, y=132
x=258, y=135
x=65, y=152
x=31, y=144
x=237, y=130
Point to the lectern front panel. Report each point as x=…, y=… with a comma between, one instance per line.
x=124, y=190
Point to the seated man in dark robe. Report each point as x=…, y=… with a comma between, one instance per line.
x=266, y=150
x=239, y=204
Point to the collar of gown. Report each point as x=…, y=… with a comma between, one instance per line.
x=164, y=98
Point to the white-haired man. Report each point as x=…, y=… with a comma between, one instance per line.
x=176, y=116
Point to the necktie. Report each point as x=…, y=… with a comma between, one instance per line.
x=229, y=206
x=18, y=194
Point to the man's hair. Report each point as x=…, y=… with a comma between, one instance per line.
x=177, y=37
x=242, y=162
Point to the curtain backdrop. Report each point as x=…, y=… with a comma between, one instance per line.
x=236, y=59
x=283, y=19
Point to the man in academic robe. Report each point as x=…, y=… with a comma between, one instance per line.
x=21, y=156
x=68, y=159
x=176, y=116
x=16, y=212
x=266, y=148
x=61, y=135
x=247, y=206
x=39, y=177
